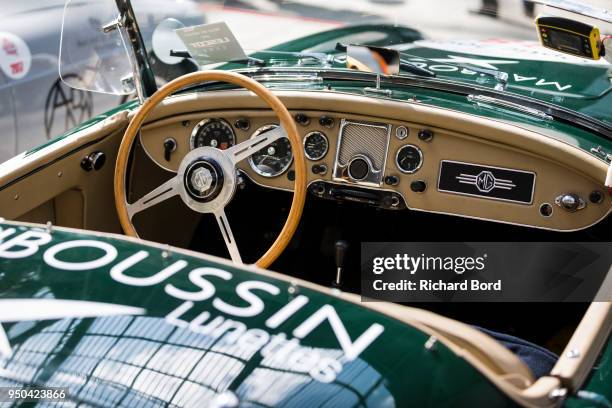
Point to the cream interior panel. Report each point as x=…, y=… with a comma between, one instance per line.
x=79, y=198
x=553, y=177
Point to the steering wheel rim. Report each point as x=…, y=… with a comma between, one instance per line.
x=125, y=210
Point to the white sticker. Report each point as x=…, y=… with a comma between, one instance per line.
x=211, y=43
x=15, y=56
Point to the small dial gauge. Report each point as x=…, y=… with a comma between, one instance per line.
x=409, y=159
x=315, y=145
x=213, y=133
x=274, y=159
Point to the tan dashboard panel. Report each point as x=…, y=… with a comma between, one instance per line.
x=558, y=167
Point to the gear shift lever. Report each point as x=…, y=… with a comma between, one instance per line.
x=341, y=249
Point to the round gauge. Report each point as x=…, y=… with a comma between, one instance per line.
x=213, y=133
x=409, y=159
x=315, y=145
x=274, y=159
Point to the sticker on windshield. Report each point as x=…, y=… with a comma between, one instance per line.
x=15, y=56
x=211, y=43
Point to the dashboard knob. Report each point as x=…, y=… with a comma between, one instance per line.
x=319, y=169
x=243, y=124
x=169, y=148
x=302, y=119
x=391, y=201
x=596, y=197
x=418, y=186
x=570, y=202
x=392, y=180
x=426, y=135
x=326, y=121
x=358, y=168
x=94, y=161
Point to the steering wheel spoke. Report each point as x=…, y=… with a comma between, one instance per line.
x=228, y=236
x=249, y=147
x=162, y=193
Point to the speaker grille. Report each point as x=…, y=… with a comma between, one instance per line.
x=367, y=139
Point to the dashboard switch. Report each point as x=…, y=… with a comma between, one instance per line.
x=546, y=210
x=426, y=135
x=243, y=124
x=391, y=201
x=392, y=180
x=302, y=119
x=169, y=148
x=418, y=186
x=319, y=169
x=570, y=202
x=94, y=161
x=326, y=121
x=596, y=197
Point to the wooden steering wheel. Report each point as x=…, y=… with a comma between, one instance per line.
x=206, y=178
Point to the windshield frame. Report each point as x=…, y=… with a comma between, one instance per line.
x=301, y=74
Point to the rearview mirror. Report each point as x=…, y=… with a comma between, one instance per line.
x=165, y=40
x=373, y=59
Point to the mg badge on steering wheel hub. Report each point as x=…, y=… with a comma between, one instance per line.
x=203, y=180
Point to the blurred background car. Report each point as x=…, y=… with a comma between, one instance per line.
x=33, y=99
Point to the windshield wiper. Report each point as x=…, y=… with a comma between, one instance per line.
x=487, y=101
x=405, y=66
x=248, y=61
x=499, y=76
x=319, y=57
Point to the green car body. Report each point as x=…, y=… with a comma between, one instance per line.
x=395, y=368
x=542, y=77
x=314, y=362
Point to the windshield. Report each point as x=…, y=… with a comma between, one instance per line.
x=490, y=43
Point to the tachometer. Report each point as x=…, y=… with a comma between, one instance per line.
x=315, y=145
x=213, y=133
x=274, y=159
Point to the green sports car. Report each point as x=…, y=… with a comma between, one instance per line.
x=114, y=290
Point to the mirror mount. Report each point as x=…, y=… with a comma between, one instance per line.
x=113, y=25
x=144, y=79
x=378, y=90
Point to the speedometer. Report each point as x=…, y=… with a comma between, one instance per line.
x=213, y=133
x=274, y=159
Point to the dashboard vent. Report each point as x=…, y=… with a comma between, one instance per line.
x=366, y=139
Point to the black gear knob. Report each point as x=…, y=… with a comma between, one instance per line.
x=341, y=249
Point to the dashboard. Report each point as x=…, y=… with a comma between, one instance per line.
x=447, y=162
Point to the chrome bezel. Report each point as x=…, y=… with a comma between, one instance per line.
x=397, y=130
x=552, y=210
x=339, y=172
x=256, y=169
x=205, y=122
x=326, y=145
x=419, y=151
